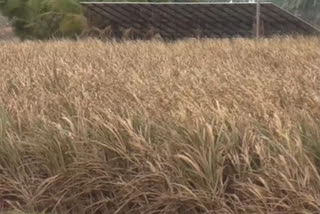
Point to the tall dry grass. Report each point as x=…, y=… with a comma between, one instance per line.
x=212, y=126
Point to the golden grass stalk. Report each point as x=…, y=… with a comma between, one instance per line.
x=195, y=126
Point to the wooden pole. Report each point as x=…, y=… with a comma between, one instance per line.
x=258, y=20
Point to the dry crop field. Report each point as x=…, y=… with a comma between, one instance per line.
x=195, y=126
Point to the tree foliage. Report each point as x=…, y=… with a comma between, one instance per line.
x=306, y=9
x=43, y=19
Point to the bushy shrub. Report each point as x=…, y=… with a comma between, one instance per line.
x=43, y=19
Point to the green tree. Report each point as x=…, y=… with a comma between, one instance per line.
x=43, y=19
x=301, y=4
x=15, y=11
x=306, y=9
